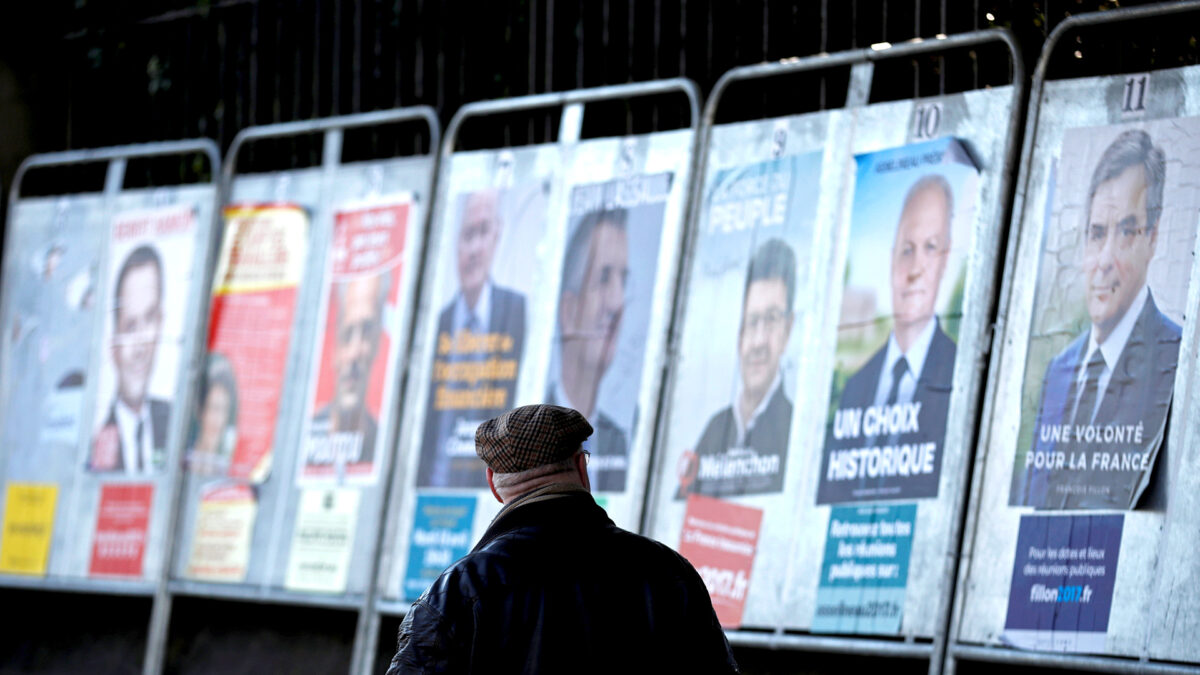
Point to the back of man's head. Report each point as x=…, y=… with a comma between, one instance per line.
x=531, y=446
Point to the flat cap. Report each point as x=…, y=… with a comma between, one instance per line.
x=530, y=436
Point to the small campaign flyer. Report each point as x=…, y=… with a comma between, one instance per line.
x=28, y=525
x=224, y=525
x=1062, y=583
x=441, y=534
x=864, y=575
x=122, y=521
x=323, y=539
x=720, y=539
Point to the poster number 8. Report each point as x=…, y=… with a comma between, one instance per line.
x=927, y=119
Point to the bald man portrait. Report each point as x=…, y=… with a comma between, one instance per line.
x=916, y=364
x=344, y=430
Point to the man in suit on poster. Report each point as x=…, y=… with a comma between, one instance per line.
x=346, y=426
x=743, y=449
x=590, y=307
x=481, y=307
x=916, y=364
x=133, y=439
x=1120, y=371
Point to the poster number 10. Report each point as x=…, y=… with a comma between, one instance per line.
x=926, y=120
x=1135, y=94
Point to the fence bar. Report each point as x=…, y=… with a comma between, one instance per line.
x=1020, y=192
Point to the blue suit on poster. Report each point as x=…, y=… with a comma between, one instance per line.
x=933, y=388
x=447, y=456
x=1139, y=392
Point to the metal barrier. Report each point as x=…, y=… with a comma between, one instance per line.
x=529, y=189
x=150, y=217
x=837, y=135
x=346, y=204
x=977, y=632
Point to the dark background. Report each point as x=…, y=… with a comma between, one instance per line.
x=93, y=73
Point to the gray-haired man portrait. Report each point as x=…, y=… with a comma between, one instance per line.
x=550, y=587
x=1121, y=369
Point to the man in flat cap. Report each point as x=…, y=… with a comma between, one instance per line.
x=554, y=586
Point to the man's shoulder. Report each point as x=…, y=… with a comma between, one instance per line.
x=860, y=387
x=502, y=296
x=1069, y=357
x=1159, y=323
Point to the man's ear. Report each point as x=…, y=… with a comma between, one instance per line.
x=492, y=485
x=566, y=312
x=581, y=468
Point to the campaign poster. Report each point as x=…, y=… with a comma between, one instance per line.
x=28, y=526
x=441, y=534
x=736, y=382
x=864, y=575
x=356, y=352
x=323, y=539
x=122, y=519
x=254, y=300
x=221, y=539
x=720, y=539
x=609, y=269
x=1108, y=314
x=51, y=285
x=150, y=254
x=910, y=234
x=1062, y=583
x=488, y=264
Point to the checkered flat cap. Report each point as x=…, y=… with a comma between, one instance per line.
x=530, y=436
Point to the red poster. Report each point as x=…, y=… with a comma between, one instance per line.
x=720, y=540
x=355, y=355
x=254, y=301
x=121, y=524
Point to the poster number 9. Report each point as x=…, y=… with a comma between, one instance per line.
x=927, y=119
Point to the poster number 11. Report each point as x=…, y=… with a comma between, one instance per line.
x=1134, y=101
x=927, y=119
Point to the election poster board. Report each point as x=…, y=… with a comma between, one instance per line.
x=100, y=308
x=593, y=257
x=1083, y=261
x=358, y=346
x=1108, y=312
x=910, y=230
x=727, y=431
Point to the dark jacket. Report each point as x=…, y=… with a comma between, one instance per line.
x=555, y=587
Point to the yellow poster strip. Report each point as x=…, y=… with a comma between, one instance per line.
x=28, y=524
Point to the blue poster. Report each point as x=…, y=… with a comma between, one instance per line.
x=1062, y=582
x=441, y=534
x=864, y=574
